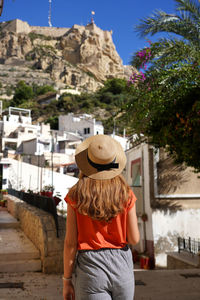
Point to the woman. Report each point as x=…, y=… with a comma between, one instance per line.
x=101, y=222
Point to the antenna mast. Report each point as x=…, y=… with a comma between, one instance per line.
x=49, y=18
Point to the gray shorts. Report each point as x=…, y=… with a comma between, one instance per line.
x=104, y=275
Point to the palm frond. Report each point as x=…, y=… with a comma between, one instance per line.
x=189, y=6
x=157, y=22
x=186, y=24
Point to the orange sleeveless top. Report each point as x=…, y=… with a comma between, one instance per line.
x=94, y=234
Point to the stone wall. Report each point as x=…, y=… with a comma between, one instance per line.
x=39, y=227
x=17, y=26
x=49, y=31
x=20, y=26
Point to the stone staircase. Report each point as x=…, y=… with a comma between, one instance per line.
x=17, y=252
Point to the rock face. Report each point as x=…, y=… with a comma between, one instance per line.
x=92, y=50
x=82, y=56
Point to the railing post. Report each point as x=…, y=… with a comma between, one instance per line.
x=183, y=243
x=189, y=244
x=179, y=250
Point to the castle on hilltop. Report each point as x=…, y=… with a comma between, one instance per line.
x=80, y=56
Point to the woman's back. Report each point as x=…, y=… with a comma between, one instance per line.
x=101, y=221
x=96, y=234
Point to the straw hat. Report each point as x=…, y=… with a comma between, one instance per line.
x=100, y=157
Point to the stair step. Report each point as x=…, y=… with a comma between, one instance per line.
x=19, y=256
x=14, y=246
x=9, y=225
x=17, y=252
x=8, y=221
x=20, y=266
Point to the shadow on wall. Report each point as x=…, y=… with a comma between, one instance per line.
x=171, y=176
x=167, y=206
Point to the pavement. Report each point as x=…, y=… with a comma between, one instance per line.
x=150, y=285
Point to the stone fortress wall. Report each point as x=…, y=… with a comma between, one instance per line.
x=19, y=26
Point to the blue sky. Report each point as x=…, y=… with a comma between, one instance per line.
x=120, y=16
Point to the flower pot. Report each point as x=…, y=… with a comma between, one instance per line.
x=144, y=262
x=48, y=194
x=2, y=203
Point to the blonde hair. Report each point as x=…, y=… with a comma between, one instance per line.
x=100, y=199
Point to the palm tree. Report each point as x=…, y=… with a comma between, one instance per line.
x=184, y=26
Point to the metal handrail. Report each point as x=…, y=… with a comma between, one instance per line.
x=42, y=202
x=188, y=245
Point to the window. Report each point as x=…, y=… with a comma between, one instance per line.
x=10, y=145
x=61, y=145
x=136, y=172
x=87, y=130
x=46, y=147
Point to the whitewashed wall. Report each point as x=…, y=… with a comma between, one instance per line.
x=167, y=226
x=25, y=176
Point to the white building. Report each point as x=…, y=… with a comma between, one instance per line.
x=67, y=91
x=122, y=140
x=38, y=151
x=67, y=142
x=35, y=145
x=85, y=124
x=17, y=126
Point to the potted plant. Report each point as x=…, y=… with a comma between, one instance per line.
x=3, y=202
x=30, y=191
x=47, y=191
x=4, y=192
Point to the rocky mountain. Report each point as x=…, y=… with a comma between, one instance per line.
x=81, y=57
